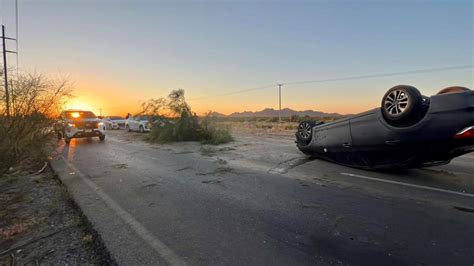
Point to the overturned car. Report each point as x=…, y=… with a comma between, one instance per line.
x=408, y=130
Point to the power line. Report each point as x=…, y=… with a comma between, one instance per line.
x=234, y=92
x=419, y=71
x=377, y=75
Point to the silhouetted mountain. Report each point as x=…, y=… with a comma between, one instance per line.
x=287, y=112
x=216, y=114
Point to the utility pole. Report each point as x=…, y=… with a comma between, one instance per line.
x=16, y=36
x=279, y=97
x=12, y=94
x=5, y=69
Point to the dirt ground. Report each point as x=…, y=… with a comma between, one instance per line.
x=39, y=224
x=262, y=128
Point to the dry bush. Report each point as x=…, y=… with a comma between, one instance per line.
x=35, y=102
x=185, y=125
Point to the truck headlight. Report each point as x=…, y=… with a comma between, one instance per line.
x=71, y=125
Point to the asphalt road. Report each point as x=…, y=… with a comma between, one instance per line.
x=258, y=201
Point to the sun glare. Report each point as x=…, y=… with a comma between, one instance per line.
x=78, y=105
x=75, y=115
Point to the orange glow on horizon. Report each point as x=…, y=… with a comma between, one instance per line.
x=78, y=104
x=108, y=106
x=103, y=98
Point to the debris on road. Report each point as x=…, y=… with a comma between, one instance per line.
x=120, y=166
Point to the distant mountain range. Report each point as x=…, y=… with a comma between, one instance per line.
x=270, y=112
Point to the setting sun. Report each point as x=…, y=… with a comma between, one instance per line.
x=75, y=115
x=77, y=104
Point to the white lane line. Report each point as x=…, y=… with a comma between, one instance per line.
x=165, y=252
x=411, y=185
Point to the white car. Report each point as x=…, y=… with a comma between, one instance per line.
x=114, y=122
x=138, y=123
x=79, y=124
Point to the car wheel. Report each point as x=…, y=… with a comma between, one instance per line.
x=102, y=138
x=59, y=136
x=305, y=132
x=454, y=89
x=402, y=103
x=67, y=140
x=142, y=129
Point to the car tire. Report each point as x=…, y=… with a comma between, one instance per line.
x=402, y=104
x=305, y=132
x=67, y=140
x=59, y=135
x=141, y=129
x=102, y=138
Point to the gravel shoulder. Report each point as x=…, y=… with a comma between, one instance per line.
x=40, y=224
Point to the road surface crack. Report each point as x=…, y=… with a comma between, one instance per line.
x=287, y=165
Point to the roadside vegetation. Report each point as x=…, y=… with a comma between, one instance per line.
x=37, y=217
x=268, y=125
x=291, y=119
x=175, y=121
x=25, y=134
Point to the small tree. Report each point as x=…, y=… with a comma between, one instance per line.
x=186, y=126
x=35, y=101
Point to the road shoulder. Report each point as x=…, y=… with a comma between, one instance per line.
x=119, y=233
x=39, y=224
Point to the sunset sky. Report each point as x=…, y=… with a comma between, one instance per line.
x=120, y=53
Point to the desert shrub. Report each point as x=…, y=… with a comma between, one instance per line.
x=162, y=134
x=213, y=133
x=294, y=118
x=263, y=126
x=273, y=119
x=35, y=100
x=186, y=125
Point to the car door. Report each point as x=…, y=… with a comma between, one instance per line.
x=375, y=143
x=335, y=141
x=136, y=123
x=130, y=122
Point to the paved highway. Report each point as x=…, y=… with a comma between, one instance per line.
x=259, y=201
